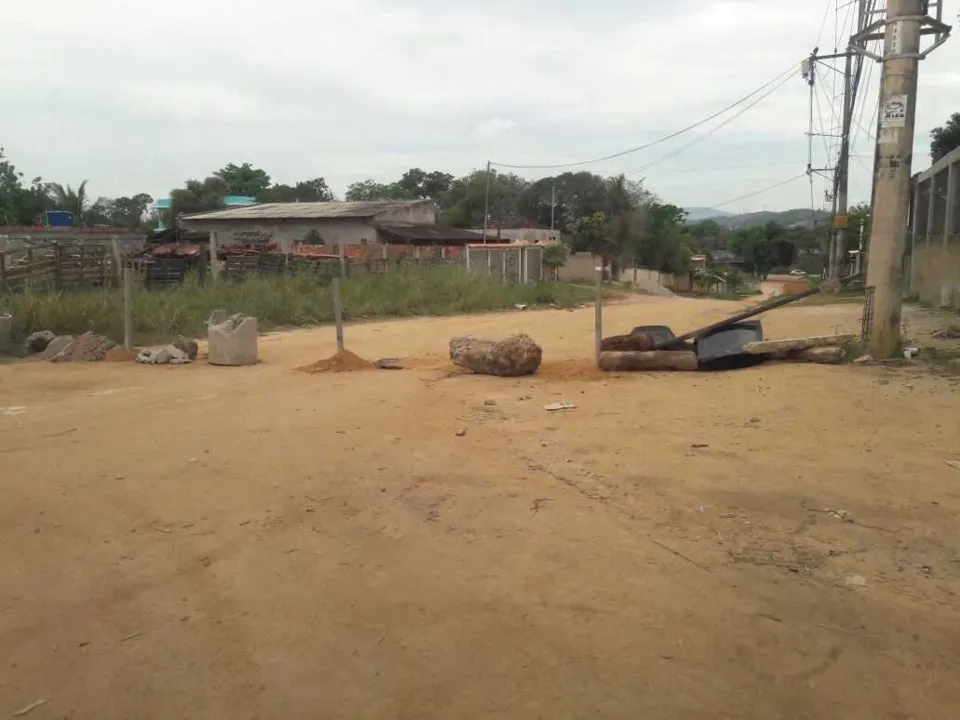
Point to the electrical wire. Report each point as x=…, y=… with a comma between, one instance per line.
x=759, y=192
x=701, y=138
x=778, y=78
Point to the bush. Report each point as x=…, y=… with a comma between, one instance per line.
x=276, y=302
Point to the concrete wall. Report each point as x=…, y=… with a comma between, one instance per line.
x=933, y=268
x=580, y=267
x=521, y=264
x=333, y=231
x=533, y=235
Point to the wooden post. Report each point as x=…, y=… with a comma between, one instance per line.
x=117, y=261
x=598, y=313
x=503, y=272
x=338, y=313
x=341, y=250
x=214, y=263
x=128, y=308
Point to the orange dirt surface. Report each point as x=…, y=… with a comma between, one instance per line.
x=234, y=543
x=121, y=354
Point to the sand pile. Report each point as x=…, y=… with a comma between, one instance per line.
x=343, y=361
x=572, y=369
x=121, y=354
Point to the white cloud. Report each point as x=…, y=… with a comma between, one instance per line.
x=140, y=96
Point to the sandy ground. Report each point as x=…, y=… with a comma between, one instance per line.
x=195, y=542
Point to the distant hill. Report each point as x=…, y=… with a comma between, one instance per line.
x=696, y=214
x=787, y=218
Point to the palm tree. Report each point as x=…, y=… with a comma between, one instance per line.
x=73, y=201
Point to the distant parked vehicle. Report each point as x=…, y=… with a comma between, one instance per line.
x=797, y=272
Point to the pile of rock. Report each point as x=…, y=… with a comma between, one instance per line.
x=180, y=352
x=89, y=347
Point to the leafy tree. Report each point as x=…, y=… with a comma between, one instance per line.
x=129, y=211
x=74, y=201
x=315, y=190
x=764, y=248
x=375, y=190
x=946, y=138
x=857, y=217
x=197, y=196
x=464, y=202
x=416, y=183
x=243, y=179
x=555, y=257
x=590, y=234
x=663, y=245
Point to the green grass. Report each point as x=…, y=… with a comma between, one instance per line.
x=278, y=302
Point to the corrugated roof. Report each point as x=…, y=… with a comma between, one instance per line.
x=512, y=222
x=306, y=210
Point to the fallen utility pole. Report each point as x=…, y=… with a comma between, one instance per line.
x=751, y=312
x=904, y=24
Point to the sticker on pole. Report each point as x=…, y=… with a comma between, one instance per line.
x=894, y=112
x=889, y=136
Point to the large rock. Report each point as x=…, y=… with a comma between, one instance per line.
x=636, y=341
x=769, y=347
x=516, y=355
x=59, y=349
x=188, y=346
x=37, y=342
x=233, y=342
x=167, y=354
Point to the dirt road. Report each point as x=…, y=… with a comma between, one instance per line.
x=194, y=542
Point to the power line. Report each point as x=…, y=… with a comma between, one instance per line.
x=701, y=138
x=655, y=142
x=759, y=192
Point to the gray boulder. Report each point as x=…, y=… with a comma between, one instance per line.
x=233, y=342
x=37, y=342
x=516, y=355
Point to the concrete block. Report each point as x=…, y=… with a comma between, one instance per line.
x=233, y=342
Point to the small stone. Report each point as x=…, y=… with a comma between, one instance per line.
x=863, y=359
x=461, y=433
x=754, y=420
x=490, y=403
x=388, y=364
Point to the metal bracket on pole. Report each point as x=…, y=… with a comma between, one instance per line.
x=877, y=31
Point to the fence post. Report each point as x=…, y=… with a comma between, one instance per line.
x=338, y=313
x=598, y=312
x=466, y=256
x=503, y=264
x=214, y=266
x=128, y=308
x=341, y=250
x=3, y=267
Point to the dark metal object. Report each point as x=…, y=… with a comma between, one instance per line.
x=660, y=334
x=728, y=341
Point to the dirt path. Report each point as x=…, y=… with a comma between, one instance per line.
x=778, y=542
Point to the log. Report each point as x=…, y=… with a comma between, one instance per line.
x=512, y=357
x=650, y=360
x=772, y=347
x=832, y=355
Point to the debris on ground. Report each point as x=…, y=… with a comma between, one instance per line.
x=637, y=341
x=776, y=347
x=648, y=360
x=512, y=357
x=37, y=342
x=388, y=364
x=233, y=341
x=343, y=361
x=909, y=353
x=954, y=464
x=27, y=709
x=56, y=346
x=863, y=360
x=89, y=347
x=553, y=407
x=188, y=346
x=950, y=333
x=163, y=355
x=121, y=354
x=461, y=433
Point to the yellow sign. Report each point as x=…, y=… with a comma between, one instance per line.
x=840, y=221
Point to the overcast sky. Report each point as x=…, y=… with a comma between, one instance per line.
x=140, y=95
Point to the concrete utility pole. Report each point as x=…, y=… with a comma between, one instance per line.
x=486, y=204
x=904, y=24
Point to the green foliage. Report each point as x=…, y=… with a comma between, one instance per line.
x=374, y=190
x=243, y=179
x=275, y=302
x=663, y=245
x=197, y=196
x=946, y=138
x=315, y=190
x=555, y=256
